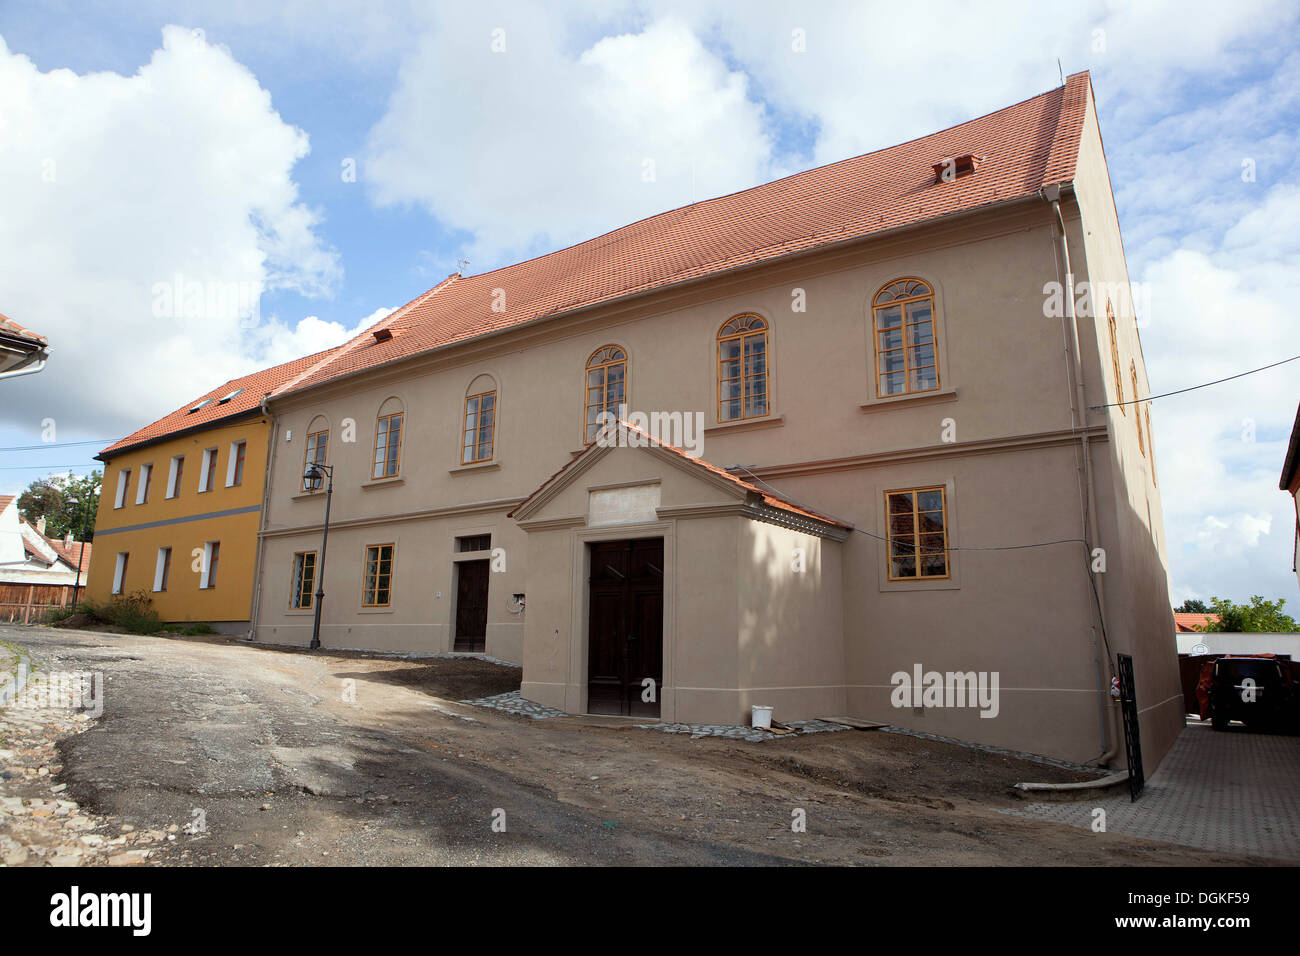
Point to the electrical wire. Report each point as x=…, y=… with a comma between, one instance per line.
x=1192, y=388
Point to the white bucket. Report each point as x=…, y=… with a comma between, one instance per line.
x=761, y=716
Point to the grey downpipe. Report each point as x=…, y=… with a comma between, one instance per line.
x=1053, y=195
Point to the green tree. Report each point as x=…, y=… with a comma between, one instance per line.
x=1193, y=606
x=1258, y=615
x=66, y=503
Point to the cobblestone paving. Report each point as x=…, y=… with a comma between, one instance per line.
x=512, y=703
x=1230, y=791
x=39, y=826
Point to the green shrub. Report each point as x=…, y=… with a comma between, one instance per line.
x=54, y=615
x=199, y=628
x=134, y=612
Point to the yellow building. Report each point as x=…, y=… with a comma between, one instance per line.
x=182, y=502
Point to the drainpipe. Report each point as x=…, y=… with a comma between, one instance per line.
x=272, y=434
x=1052, y=194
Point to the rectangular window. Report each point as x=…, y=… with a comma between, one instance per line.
x=211, y=557
x=1114, y=361
x=474, y=542
x=916, y=521
x=146, y=479
x=119, y=572
x=174, y=479
x=235, y=464
x=207, y=469
x=376, y=588
x=317, y=450
x=123, y=487
x=480, y=425
x=162, y=570
x=1151, y=440
x=388, y=446
x=304, y=579
x=1137, y=412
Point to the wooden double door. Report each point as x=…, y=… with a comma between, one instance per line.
x=625, y=627
x=471, y=606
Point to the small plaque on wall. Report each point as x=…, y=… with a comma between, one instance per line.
x=631, y=505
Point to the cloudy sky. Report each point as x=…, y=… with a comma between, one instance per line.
x=327, y=161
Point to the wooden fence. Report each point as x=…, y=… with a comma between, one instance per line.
x=32, y=603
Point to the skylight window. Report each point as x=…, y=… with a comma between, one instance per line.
x=203, y=404
x=238, y=391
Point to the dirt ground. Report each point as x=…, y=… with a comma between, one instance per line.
x=324, y=757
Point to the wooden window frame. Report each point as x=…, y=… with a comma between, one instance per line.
x=916, y=534
x=492, y=434
x=744, y=332
x=1137, y=409
x=397, y=465
x=365, y=565
x=906, y=284
x=295, y=589
x=162, y=579
x=603, y=405
x=237, y=469
x=1114, y=360
x=210, y=458
x=1151, y=440
x=310, y=450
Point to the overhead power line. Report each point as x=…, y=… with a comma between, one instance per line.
x=1192, y=388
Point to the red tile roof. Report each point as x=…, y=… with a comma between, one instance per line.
x=13, y=328
x=254, y=387
x=767, y=498
x=71, y=555
x=1187, y=622
x=1025, y=147
x=5, y=501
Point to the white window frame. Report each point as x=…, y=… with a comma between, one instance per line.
x=172, y=490
x=206, y=463
x=207, y=564
x=234, y=457
x=123, y=479
x=146, y=473
x=119, y=572
x=159, y=565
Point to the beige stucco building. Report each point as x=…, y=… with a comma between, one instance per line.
x=909, y=456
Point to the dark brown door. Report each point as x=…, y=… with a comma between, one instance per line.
x=471, y=605
x=625, y=627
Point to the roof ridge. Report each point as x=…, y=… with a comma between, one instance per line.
x=790, y=176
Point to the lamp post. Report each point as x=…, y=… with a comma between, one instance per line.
x=311, y=481
x=81, y=554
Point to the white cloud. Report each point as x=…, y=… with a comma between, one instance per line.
x=112, y=186
x=541, y=145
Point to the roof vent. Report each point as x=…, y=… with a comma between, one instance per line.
x=954, y=167
x=382, y=335
x=201, y=405
x=237, y=392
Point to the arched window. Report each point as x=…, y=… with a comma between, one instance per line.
x=479, y=432
x=317, y=447
x=388, y=440
x=742, y=368
x=906, y=356
x=1114, y=359
x=606, y=386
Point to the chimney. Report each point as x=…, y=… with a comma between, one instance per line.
x=40, y=525
x=67, y=540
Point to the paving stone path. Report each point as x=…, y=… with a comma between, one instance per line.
x=1231, y=791
x=512, y=703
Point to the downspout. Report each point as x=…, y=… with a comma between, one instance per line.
x=272, y=434
x=1052, y=194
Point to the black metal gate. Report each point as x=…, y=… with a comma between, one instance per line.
x=1132, y=740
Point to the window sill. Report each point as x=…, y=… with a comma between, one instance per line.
x=745, y=424
x=374, y=610
x=475, y=466
x=382, y=482
x=935, y=397
x=300, y=611
x=307, y=495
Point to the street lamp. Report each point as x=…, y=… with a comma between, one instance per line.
x=311, y=481
x=81, y=555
